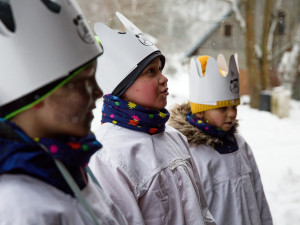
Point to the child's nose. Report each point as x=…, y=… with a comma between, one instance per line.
x=163, y=80
x=97, y=92
x=232, y=111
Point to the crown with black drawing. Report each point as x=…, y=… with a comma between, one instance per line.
x=212, y=83
x=125, y=56
x=43, y=44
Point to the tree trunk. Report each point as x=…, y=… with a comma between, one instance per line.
x=254, y=81
x=265, y=63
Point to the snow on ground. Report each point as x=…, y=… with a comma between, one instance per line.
x=275, y=143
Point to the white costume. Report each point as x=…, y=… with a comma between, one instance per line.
x=231, y=181
x=232, y=185
x=149, y=177
x=28, y=201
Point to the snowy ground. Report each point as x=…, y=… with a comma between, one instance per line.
x=276, y=146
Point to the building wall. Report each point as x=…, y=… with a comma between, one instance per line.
x=227, y=45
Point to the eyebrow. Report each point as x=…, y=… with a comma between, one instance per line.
x=154, y=64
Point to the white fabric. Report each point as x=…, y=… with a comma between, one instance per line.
x=232, y=185
x=29, y=201
x=149, y=177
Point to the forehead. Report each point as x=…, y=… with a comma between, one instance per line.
x=86, y=72
x=155, y=61
x=215, y=111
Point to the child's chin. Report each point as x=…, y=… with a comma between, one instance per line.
x=80, y=132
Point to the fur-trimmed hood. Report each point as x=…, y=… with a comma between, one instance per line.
x=194, y=135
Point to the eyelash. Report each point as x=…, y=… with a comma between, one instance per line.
x=153, y=69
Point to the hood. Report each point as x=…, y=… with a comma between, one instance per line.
x=194, y=135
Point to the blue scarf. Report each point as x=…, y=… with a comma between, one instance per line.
x=19, y=154
x=227, y=138
x=129, y=115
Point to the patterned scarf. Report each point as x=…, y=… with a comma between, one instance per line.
x=129, y=115
x=23, y=155
x=228, y=144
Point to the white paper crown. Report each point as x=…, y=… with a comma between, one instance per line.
x=46, y=45
x=122, y=53
x=219, y=83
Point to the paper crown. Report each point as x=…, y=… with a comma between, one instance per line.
x=122, y=53
x=41, y=42
x=212, y=83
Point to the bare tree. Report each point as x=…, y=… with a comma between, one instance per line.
x=252, y=62
x=265, y=60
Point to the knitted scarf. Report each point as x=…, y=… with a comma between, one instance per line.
x=228, y=140
x=20, y=154
x=129, y=115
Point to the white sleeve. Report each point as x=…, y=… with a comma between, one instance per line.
x=116, y=184
x=265, y=214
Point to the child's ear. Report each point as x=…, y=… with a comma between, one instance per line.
x=38, y=105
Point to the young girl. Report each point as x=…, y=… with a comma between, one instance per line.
x=145, y=166
x=226, y=164
x=48, y=91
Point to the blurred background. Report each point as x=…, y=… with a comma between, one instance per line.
x=266, y=36
x=264, y=33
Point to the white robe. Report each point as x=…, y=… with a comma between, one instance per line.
x=25, y=200
x=232, y=185
x=149, y=177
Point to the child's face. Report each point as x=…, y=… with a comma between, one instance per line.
x=150, y=88
x=68, y=111
x=223, y=118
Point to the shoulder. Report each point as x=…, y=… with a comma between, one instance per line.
x=243, y=144
x=26, y=200
x=109, y=132
x=138, y=154
x=14, y=186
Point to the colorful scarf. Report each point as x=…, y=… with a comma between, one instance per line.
x=129, y=115
x=228, y=140
x=23, y=155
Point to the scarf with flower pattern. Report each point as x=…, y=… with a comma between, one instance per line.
x=20, y=154
x=129, y=115
x=229, y=143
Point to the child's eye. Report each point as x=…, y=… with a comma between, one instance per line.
x=223, y=109
x=89, y=81
x=151, y=70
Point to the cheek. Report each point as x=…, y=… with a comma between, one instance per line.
x=213, y=119
x=70, y=108
x=147, y=91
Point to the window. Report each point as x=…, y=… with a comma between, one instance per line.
x=227, y=30
x=281, y=23
x=6, y=16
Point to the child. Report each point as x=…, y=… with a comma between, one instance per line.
x=226, y=164
x=48, y=91
x=145, y=168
